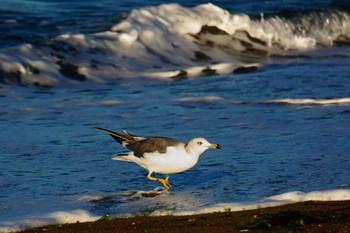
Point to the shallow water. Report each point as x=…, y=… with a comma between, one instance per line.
x=282, y=128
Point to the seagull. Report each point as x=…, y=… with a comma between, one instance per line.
x=160, y=154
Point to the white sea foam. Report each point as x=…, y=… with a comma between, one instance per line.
x=282, y=199
x=329, y=195
x=287, y=101
x=170, y=41
x=201, y=99
x=60, y=217
x=335, y=101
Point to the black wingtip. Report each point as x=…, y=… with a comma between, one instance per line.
x=120, y=138
x=104, y=130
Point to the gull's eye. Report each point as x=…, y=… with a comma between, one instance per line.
x=199, y=143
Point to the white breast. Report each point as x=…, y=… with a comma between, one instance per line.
x=174, y=161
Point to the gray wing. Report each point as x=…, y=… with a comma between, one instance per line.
x=149, y=145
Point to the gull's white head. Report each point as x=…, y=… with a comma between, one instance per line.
x=198, y=146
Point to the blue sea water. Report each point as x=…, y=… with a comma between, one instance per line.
x=267, y=80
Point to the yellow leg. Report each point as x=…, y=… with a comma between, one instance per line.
x=165, y=182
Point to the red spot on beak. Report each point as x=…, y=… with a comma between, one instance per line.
x=218, y=146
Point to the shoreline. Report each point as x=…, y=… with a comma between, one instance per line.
x=308, y=216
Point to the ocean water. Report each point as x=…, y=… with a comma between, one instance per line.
x=267, y=80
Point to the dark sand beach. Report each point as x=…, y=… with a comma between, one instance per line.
x=310, y=216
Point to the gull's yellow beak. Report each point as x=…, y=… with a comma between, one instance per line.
x=215, y=146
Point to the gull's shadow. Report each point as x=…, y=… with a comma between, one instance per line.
x=117, y=202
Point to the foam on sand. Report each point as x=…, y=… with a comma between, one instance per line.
x=59, y=217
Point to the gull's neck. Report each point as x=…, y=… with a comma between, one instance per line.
x=192, y=152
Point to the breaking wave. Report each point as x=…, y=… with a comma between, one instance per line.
x=169, y=42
